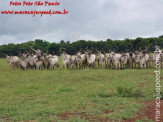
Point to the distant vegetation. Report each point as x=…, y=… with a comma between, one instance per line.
x=72, y=48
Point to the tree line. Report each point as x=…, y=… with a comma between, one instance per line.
x=126, y=45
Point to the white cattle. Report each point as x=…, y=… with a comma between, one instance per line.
x=116, y=60
x=38, y=63
x=24, y=63
x=147, y=59
x=91, y=59
x=31, y=60
x=138, y=55
x=46, y=60
x=66, y=60
x=124, y=61
x=53, y=61
x=100, y=59
x=108, y=60
x=142, y=62
x=81, y=60
x=131, y=59
x=74, y=61
x=13, y=61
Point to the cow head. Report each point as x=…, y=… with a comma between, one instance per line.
x=8, y=58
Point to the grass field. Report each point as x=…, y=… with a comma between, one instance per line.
x=49, y=95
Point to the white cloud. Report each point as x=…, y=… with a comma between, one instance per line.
x=89, y=20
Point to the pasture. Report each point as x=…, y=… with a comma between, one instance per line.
x=73, y=95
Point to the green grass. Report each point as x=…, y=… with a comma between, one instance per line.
x=43, y=95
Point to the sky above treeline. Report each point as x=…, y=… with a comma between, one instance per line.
x=87, y=20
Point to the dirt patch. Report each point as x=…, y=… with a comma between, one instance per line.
x=6, y=120
x=91, y=118
x=107, y=112
x=147, y=112
x=82, y=116
x=64, y=116
x=161, y=78
x=141, y=84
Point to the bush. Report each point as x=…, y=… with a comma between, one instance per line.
x=104, y=95
x=129, y=92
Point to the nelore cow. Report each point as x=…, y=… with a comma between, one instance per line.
x=100, y=59
x=137, y=59
x=13, y=61
x=74, y=61
x=46, y=60
x=124, y=60
x=147, y=58
x=116, y=59
x=81, y=59
x=143, y=62
x=38, y=63
x=131, y=59
x=53, y=61
x=32, y=59
x=108, y=60
x=91, y=59
x=66, y=59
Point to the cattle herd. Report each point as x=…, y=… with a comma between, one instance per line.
x=87, y=59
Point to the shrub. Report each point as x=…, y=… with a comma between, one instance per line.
x=129, y=92
x=104, y=95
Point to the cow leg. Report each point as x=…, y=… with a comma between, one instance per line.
x=57, y=65
x=138, y=65
x=105, y=65
x=149, y=64
x=128, y=64
x=94, y=65
x=145, y=66
x=135, y=65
